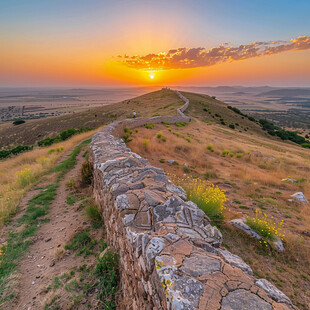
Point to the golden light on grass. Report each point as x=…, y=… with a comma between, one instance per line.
x=19, y=173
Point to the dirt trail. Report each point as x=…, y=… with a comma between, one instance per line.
x=46, y=257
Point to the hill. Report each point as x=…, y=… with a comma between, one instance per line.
x=162, y=102
x=248, y=165
x=287, y=92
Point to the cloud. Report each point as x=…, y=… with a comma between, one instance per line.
x=182, y=58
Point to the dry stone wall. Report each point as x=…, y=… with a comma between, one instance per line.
x=170, y=255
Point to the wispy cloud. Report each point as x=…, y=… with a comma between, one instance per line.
x=201, y=57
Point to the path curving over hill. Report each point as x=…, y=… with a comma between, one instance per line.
x=170, y=254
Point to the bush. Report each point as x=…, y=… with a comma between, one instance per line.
x=16, y=150
x=162, y=160
x=126, y=138
x=210, y=148
x=146, y=143
x=159, y=135
x=87, y=172
x=239, y=155
x=232, y=126
x=225, y=152
x=63, y=135
x=187, y=139
x=149, y=126
x=183, y=124
x=306, y=145
x=18, y=122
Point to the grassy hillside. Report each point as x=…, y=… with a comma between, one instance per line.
x=163, y=102
x=248, y=164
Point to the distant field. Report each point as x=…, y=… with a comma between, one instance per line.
x=32, y=103
x=156, y=103
x=287, y=107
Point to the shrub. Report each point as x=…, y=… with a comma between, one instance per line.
x=163, y=139
x=149, y=126
x=94, y=214
x=210, y=148
x=231, y=154
x=16, y=150
x=146, y=143
x=87, y=172
x=264, y=226
x=183, y=124
x=225, y=152
x=126, y=138
x=18, y=122
x=187, y=139
x=127, y=130
x=306, y=145
x=232, y=126
x=159, y=135
x=239, y=155
x=250, y=118
x=162, y=160
x=176, y=133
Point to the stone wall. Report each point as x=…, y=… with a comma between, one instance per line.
x=170, y=255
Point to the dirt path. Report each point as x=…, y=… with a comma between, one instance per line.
x=47, y=258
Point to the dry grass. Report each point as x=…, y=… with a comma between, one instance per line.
x=18, y=174
x=251, y=182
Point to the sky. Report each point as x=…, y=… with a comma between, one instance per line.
x=141, y=43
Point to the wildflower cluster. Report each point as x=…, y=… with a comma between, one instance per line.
x=42, y=160
x=209, y=198
x=265, y=226
x=25, y=177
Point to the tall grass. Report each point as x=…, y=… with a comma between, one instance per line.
x=18, y=174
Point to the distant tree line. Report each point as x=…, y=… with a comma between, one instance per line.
x=63, y=135
x=16, y=150
x=274, y=130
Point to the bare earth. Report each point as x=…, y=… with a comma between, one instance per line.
x=47, y=257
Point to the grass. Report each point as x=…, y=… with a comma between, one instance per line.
x=18, y=242
x=20, y=173
x=81, y=243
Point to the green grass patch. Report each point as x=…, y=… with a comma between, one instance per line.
x=18, y=242
x=70, y=162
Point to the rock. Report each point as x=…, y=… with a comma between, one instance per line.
x=236, y=261
x=272, y=291
x=32, y=282
x=48, y=239
x=256, y=154
x=278, y=244
x=197, y=265
x=170, y=161
x=289, y=180
x=299, y=196
x=239, y=223
x=52, y=263
x=245, y=300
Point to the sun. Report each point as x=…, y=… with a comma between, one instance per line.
x=151, y=75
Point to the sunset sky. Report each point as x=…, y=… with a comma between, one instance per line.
x=140, y=43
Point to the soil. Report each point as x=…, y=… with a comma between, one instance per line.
x=47, y=257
